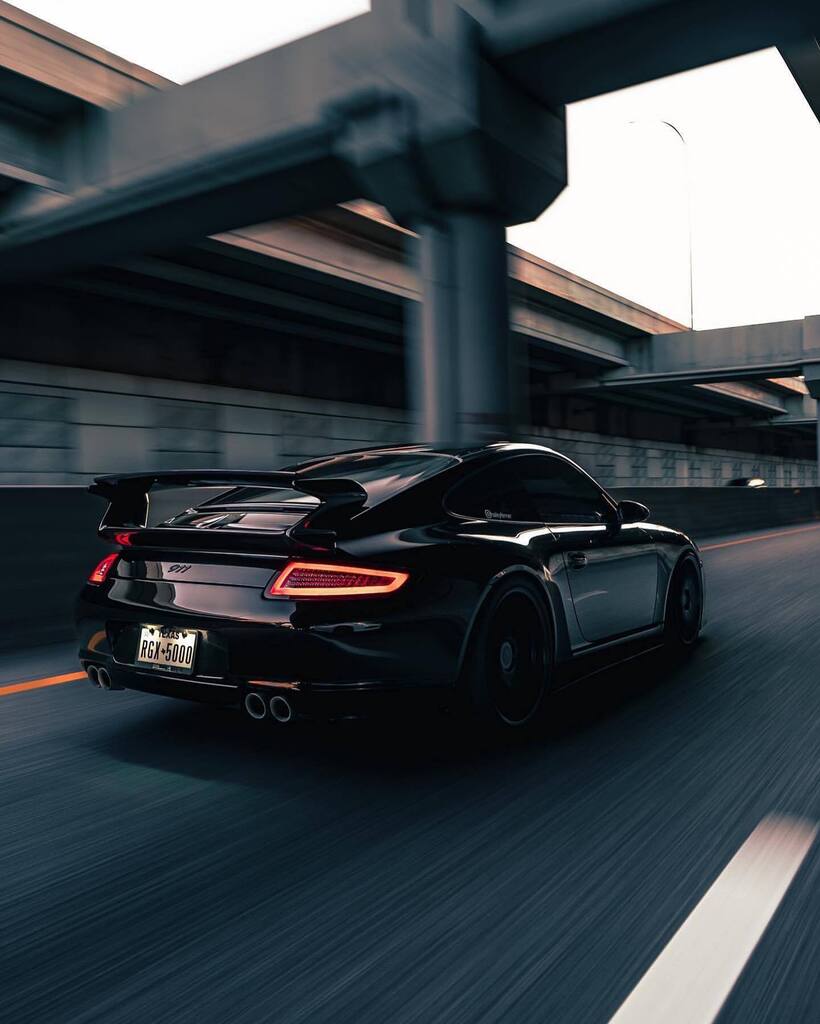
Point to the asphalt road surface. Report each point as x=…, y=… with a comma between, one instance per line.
x=164, y=862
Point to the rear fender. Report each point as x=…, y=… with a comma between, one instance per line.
x=552, y=600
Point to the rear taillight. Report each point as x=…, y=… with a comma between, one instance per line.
x=100, y=574
x=308, y=579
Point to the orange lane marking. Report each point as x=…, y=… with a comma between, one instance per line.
x=760, y=536
x=37, y=684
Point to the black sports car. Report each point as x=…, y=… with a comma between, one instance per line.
x=478, y=577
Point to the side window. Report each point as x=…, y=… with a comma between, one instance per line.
x=558, y=492
x=492, y=493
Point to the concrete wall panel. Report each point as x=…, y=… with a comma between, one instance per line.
x=65, y=425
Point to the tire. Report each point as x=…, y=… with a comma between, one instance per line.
x=510, y=660
x=684, y=606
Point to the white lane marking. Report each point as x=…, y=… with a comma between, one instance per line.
x=693, y=976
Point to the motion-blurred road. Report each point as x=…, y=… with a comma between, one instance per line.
x=165, y=862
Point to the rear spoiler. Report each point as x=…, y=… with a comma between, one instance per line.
x=128, y=498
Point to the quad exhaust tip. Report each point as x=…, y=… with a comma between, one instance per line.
x=100, y=676
x=255, y=706
x=281, y=709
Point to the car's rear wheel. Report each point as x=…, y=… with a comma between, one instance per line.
x=684, y=606
x=510, y=660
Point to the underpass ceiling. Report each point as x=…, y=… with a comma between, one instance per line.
x=803, y=60
x=365, y=307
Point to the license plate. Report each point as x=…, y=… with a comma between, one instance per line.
x=167, y=647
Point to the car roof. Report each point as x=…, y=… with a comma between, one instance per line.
x=461, y=452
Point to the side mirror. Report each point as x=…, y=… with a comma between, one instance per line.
x=633, y=512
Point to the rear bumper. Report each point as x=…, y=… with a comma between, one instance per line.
x=165, y=684
x=314, y=654
x=313, y=700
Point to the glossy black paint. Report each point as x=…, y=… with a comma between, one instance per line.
x=604, y=584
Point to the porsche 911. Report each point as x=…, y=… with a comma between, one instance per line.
x=478, y=579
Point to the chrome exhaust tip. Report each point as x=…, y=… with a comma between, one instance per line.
x=255, y=706
x=281, y=709
x=103, y=678
x=93, y=675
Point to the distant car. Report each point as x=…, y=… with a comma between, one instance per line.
x=480, y=577
x=747, y=481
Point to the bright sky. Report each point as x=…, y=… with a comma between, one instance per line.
x=746, y=178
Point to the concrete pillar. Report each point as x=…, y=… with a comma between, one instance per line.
x=817, y=481
x=458, y=347
x=811, y=375
x=432, y=338
x=483, y=319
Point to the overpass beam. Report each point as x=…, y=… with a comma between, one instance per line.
x=460, y=348
x=803, y=60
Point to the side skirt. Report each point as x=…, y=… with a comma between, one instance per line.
x=601, y=657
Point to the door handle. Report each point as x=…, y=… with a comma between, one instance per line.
x=577, y=560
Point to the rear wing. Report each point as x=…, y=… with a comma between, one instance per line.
x=128, y=498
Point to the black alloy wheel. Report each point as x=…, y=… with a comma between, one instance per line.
x=512, y=657
x=685, y=605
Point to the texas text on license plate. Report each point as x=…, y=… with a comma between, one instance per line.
x=167, y=647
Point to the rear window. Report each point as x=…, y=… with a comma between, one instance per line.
x=382, y=474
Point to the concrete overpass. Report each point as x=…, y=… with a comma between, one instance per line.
x=453, y=118
x=424, y=107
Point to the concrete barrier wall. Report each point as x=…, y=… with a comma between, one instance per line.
x=49, y=542
x=48, y=546
x=710, y=511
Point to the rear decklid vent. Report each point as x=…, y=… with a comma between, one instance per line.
x=276, y=521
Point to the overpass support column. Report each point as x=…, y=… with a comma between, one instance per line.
x=811, y=375
x=432, y=356
x=817, y=434
x=483, y=316
x=459, y=366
